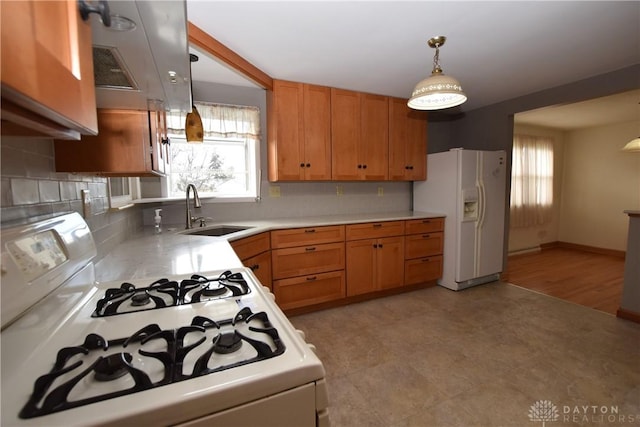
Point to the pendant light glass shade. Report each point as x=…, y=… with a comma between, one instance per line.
x=437, y=91
x=193, y=127
x=632, y=146
x=193, y=123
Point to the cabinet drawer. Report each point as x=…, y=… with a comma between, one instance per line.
x=251, y=246
x=423, y=245
x=308, y=290
x=427, y=225
x=374, y=230
x=291, y=262
x=422, y=270
x=306, y=236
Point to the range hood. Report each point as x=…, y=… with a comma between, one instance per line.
x=146, y=66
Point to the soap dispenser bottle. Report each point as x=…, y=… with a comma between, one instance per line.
x=158, y=221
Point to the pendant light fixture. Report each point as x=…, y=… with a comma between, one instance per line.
x=632, y=146
x=193, y=123
x=438, y=91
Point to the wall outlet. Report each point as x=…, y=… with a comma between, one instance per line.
x=274, y=191
x=339, y=190
x=86, y=203
x=380, y=191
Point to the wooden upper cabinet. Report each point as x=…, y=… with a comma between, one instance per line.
x=47, y=69
x=360, y=135
x=407, y=142
x=127, y=145
x=299, y=132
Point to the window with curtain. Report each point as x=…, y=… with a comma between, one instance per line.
x=531, y=180
x=225, y=165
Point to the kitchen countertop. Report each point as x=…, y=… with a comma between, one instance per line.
x=150, y=255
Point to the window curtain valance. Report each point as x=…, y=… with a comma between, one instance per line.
x=221, y=121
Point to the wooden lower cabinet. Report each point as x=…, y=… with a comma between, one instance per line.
x=374, y=264
x=296, y=292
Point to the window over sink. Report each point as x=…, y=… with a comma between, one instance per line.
x=226, y=164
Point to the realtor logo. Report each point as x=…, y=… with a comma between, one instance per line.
x=543, y=410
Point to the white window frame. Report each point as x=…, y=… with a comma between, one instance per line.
x=254, y=177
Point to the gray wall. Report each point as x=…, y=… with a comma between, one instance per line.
x=297, y=198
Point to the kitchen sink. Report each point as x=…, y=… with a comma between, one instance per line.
x=218, y=230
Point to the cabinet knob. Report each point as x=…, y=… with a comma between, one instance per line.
x=165, y=141
x=308, y=165
x=364, y=166
x=301, y=165
x=359, y=166
x=101, y=9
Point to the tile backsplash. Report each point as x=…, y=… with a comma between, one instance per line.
x=31, y=187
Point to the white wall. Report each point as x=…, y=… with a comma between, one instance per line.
x=599, y=183
x=524, y=238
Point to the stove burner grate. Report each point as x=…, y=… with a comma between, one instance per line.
x=51, y=391
x=165, y=293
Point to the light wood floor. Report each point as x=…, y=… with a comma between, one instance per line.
x=585, y=278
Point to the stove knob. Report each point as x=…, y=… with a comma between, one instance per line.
x=302, y=335
x=313, y=348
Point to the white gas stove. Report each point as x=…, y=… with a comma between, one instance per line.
x=208, y=348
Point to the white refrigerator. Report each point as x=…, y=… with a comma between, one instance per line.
x=469, y=187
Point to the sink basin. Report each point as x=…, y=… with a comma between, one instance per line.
x=218, y=230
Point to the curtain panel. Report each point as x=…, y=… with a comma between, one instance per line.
x=531, y=181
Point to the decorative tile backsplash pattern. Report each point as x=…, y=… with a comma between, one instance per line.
x=31, y=187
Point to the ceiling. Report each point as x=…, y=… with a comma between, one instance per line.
x=497, y=50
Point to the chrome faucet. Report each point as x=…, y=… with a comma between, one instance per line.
x=196, y=204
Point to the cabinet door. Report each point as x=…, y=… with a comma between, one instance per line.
x=158, y=132
x=285, y=131
x=47, y=67
x=317, y=133
x=261, y=267
x=407, y=142
x=390, y=262
x=361, y=263
x=374, y=137
x=121, y=149
x=345, y=134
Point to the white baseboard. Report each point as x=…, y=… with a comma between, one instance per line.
x=525, y=251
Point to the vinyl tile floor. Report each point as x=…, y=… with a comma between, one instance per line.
x=492, y=355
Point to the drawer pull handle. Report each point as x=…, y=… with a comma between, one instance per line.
x=309, y=279
x=377, y=225
x=426, y=259
x=426, y=236
x=310, y=230
x=426, y=221
x=255, y=267
x=310, y=249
